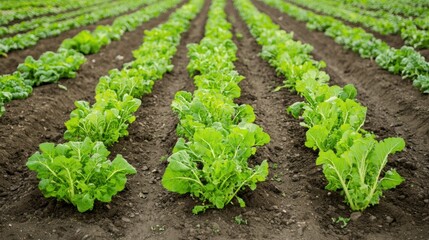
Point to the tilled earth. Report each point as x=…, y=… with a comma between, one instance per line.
x=292, y=204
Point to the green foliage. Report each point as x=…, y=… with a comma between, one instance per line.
x=352, y=160
x=408, y=63
x=405, y=61
x=206, y=109
x=381, y=22
x=64, y=63
x=416, y=38
x=106, y=121
x=211, y=160
x=14, y=86
x=342, y=220
x=133, y=82
x=20, y=10
x=21, y=41
x=213, y=167
x=79, y=172
x=51, y=67
x=413, y=8
x=422, y=82
x=45, y=20
x=224, y=82
x=86, y=43
x=240, y=220
x=357, y=172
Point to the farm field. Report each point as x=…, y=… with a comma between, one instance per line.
x=182, y=67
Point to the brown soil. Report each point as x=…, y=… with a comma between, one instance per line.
x=14, y=58
x=292, y=204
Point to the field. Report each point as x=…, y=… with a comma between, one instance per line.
x=292, y=203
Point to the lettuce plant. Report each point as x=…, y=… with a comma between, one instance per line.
x=106, y=121
x=358, y=171
x=213, y=167
x=79, y=172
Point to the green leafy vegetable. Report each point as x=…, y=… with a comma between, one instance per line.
x=106, y=121
x=79, y=172
x=85, y=42
x=405, y=61
x=51, y=66
x=358, y=171
x=214, y=167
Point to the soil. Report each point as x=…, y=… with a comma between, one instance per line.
x=292, y=204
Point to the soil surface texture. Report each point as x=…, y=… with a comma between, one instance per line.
x=291, y=204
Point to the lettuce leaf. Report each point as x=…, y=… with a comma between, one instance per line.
x=79, y=172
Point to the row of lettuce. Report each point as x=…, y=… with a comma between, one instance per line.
x=351, y=157
x=419, y=21
x=46, y=20
x=52, y=66
x=23, y=4
x=13, y=10
x=387, y=24
x=216, y=135
x=414, y=8
x=404, y=61
x=79, y=171
x=21, y=41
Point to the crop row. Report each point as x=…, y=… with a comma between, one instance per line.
x=420, y=22
x=405, y=27
x=79, y=171
x=37, y=22
x=52, y=66
x=407, y=8
x=22, y=11
x=23, y=4
x=217, y=136
x=352, y=159
x=404, y=61
x=21, y=41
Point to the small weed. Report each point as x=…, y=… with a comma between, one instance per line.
x=276, y=178
x=274, y=166
x=240, y=220
x=343, y=221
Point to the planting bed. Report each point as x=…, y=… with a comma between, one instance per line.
x=291, y=204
